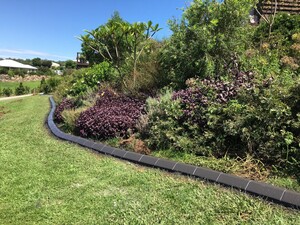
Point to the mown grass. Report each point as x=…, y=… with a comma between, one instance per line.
x=13, y=85
x=47, y=181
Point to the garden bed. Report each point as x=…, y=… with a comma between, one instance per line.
x=280, y=195
x=47, y=181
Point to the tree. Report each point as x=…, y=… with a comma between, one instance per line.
x=139, y=35
x=36, y=62
x=70, y=64
x=268, y=19
x=206, y=38
x=46, y=63
x=117, y=41
x=105, y=43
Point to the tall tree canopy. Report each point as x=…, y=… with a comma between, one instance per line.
x=116, y=41
x=209, y=33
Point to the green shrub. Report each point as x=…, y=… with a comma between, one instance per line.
x=7, y=92
x=263, y=122
x=44, y=87
x=161, y=126
x=49, y=85
x=21, y=90
x=206, y=38
x=70, y=64
x=3, y=70
x=62, y=90
x=45, y=71
x=20, y=72
x=53, y=82
x=285, y=25
x=68, y=72
x=262, y=63
x=281, y=44
x=11, y=73
x=90, y=78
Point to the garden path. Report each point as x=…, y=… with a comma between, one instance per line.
x=13, y=97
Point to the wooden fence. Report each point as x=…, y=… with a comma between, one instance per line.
x=267, y=7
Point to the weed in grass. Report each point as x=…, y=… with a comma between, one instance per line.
x=250, y=168
x=135, y=145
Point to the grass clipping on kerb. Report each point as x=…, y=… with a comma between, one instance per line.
x=48, y=181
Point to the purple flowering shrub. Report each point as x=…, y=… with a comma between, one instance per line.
x=65, y=104
x=185, y=119
x=112, y=115
x=202, y=93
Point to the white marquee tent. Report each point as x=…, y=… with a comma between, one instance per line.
x=8, y=63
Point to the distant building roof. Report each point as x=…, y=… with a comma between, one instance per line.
x=54, y=64
x=14, y=64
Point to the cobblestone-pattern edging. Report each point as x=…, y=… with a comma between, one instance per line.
x=270, y=192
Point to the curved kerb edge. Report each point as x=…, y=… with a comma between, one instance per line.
x=267, y=191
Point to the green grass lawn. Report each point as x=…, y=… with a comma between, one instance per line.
x=13, y=85
x=44, y=180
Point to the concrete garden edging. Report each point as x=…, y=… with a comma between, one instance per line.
x=276, y=194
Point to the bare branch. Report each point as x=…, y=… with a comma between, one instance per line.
x=262, y=16
x=273, y=18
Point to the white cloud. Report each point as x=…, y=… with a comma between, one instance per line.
x=29, y=54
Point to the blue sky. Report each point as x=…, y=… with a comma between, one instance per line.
x=48, y=29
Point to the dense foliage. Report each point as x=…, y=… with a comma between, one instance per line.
x=7, y=92
x=106, y=42
x=205, y=39
x=112, y=115
x=227, y=88
x=285, y=25
x=264, y=122
x=91, y=78
x=279, y=48
x=244, y=113
x=259, y=118
x=120, y=43
x=49, y=85
x=185, y=113
x=70, y=64
x=21, y=90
